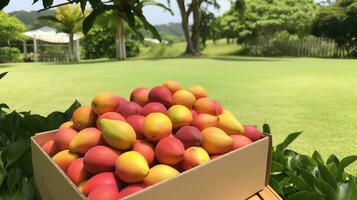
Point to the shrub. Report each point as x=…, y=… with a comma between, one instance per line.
x=100, y=43
x=10, y=54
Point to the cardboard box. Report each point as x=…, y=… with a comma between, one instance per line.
x=236, y=175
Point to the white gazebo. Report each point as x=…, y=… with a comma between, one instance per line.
x=51, y=37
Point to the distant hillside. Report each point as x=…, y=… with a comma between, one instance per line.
x=28, y=17
x=171, y=28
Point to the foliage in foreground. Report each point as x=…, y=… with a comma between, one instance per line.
x=294, y=176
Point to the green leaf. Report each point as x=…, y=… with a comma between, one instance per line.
x=83, y=4
x=13, y=178
x=266, y=128
x=155, y=3
x=326, y=175
x=47, y=3
x=55, y=119
x=300, y=184
x=347, y=190
x=276, y=186
x=317, y=157
x=90, y=19
x=71, y=109
x=2, y=170
x=149, y=27
x=345, y=162
x=4, y=73
x=276, y=168
x=15, y=151
x=302, y=195
x=327, y=190
x=291, y=137
x=2, y=105
x=308, y=177
x=95, y=4
x=3, y=4
x=333, y=159
x=27, y=190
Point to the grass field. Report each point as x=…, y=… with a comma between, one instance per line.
x=318, y=96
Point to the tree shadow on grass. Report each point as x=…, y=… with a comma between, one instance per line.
x=5, y=66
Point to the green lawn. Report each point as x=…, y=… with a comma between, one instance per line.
x=318, y=96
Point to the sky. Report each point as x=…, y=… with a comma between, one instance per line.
x=154, y=14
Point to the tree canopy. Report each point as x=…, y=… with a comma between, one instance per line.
x=11, y=28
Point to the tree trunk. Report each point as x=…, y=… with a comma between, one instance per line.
x=72, y=56
x=196, y=37
x=185, y=26
x=120, y=40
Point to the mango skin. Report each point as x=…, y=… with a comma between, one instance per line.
x=172, y=85
x=189, y=136
x=202, y=121
x=194, y=156
x=64, y=158
x=157, y=126
x=213, y=157
x=252, y=132
x=81, y=186
x=104, y=193
x=162, y=95
x=229, y=123
x=129, y=108
x=184, y=97
x=100, y=159
x=198, y=91
x=180, y=116
x=169, y=150
x=140, y=95
x=131, y=167
x=50, y=148
x=86, y=139
x=68, y=124
x=216, y=141
x=137, y=122
x=152, y=108
x=104, y=102
x=63, y=138
x=131, y=189
x=109, y=115
x=160, y=173
x=99, y=180
x=83, y=117
x=240, y=141
x=118, y=134
x=146, y=149
x=208, y=106
x=76, y=172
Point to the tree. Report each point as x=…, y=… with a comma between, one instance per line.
x=68, y=19
x=339, y=22
x=10, y=28
x=193, y=35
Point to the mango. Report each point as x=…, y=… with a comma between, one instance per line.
x=162, y=95
x=172, y=85
x=180, y=116
x=229, y=123
x=83, y=117
x=76, y=172
x=118, y=134
x=194, y=113
x=137, y=122
x=202, y=121
x=208, y=106
x=160, y=173
x=131, y=189
x=213, y=157
x=240, y=141
x=99, y=180
x=68, y=124
x=146, y=149
x=216, y=141
x=104, y=102
x=100, y=159
x=198, y=91
x=169, y=150
x=194, y=156
x=189, y=136
x=140, y=95
x=64, y=158
x=252, y=132
x=109, y=115
x=63, y=138
x=86, y=139
x=157, y=126
x=104, y=193
x=81, y=186
x=152, y=108
x=50, y=148
x=184, y=97
x=129, y=108
x=131, y=167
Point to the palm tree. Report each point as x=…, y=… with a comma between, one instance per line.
x=68, y=19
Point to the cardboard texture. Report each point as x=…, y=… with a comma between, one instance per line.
x=234, y=176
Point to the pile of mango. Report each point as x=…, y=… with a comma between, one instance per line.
x=117, y=147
